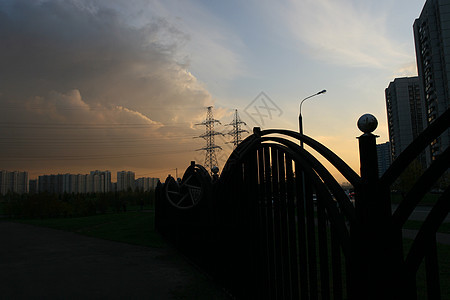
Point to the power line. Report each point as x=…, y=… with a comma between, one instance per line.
x=77, y=126
x=92, y=141
x=28, y=157
x=68, y=126
x=97, y=108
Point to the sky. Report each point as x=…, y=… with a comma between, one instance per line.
x=119, y=85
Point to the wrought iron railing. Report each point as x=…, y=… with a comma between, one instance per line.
x=277, y=225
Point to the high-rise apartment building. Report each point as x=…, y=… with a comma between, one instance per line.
x=15, y=182
x=99, y=181
x=94, y=182
x=432, y=40
x=404, y=113
x=21, y=182
x=3, y=182
x=125, y=180
x=384, y=157
x=80, y=183
x=33, y=186
x=50, y=184
x=146, y=183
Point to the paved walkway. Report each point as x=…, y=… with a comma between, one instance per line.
x=42, y=263
x=420, y=213
x=442, y=238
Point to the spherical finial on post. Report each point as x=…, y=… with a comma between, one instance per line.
x=367, y=123
x=215, y=175
x=215, y=170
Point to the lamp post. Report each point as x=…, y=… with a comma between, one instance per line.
x=300, y=119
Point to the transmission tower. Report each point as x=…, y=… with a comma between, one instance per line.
x=237, y=131
x=208, y=136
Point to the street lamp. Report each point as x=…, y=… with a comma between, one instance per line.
x=300, y=119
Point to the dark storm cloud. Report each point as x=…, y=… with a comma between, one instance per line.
x=82, y=62
x=63, y=45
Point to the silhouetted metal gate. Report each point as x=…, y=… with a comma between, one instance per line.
x=277, y=225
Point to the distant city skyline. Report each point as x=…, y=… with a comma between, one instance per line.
x=113, y=173
x=94, y=182
x=119, y=85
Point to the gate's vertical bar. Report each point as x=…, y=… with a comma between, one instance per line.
x=336, y=265
x=277, y=224
x=266, y=283
x=301, y=228
x=323, y=249
x=284, y=225
x=292, y=231
x=269, y=215
x=251, y=198
x=238, y=225
x=311, y=238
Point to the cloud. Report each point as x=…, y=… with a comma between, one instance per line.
x=62, y=130
x=56, y=45
x=79, y=70
x=406, y=70
x=70, y=108
x=343, y=33
x=213, y=48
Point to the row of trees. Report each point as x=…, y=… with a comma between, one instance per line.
x=46, y=205
x=409, y=177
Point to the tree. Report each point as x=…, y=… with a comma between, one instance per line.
x=408, y=178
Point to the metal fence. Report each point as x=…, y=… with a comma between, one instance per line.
x=277, y=225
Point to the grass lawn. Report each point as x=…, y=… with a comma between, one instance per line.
x=135, y=227
x=411, y=224
x=429, y=199
x=444, y=271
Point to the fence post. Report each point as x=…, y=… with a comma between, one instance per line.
x=371, y=235
x=158, y=206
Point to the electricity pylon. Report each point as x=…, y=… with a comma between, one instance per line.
x=237, y=130
x=208, y=136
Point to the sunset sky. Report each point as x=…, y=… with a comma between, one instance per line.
x=118, y=85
